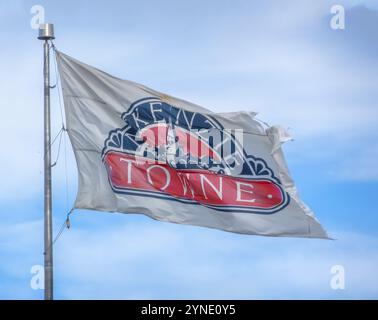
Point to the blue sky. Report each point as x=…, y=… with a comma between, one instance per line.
x=279, y=58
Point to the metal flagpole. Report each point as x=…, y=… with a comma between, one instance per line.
x=46, y=33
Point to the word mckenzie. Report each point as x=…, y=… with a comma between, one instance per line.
x=211, y=309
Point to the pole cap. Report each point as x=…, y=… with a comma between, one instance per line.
x=46, y=31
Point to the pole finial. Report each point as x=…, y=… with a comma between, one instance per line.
x=46, y=31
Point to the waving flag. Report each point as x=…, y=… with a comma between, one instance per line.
x=142, y=151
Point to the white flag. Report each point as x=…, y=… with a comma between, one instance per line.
x=142, y=151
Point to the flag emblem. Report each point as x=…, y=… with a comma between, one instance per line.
x=166, y=152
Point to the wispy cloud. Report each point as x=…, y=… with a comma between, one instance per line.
x=281, y=60
x=359, y=166
x=138, y=256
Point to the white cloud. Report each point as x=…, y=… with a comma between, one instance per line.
x=371, y=4
x=141, y=258
x=290, y=79
x=161, y=261
x=358, y=166
x=8, y=10
x=259, y=61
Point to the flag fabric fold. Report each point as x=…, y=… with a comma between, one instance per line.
x=141, y=151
